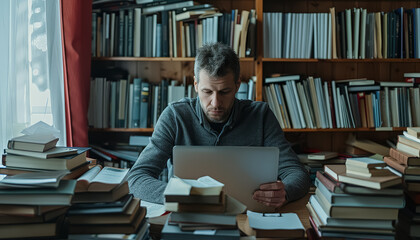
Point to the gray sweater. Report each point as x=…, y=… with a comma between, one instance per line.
x=184, y=123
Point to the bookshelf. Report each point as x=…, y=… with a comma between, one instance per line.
x=380, y=70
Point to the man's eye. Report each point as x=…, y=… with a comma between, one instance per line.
x=207, y=91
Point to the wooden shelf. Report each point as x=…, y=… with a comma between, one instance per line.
x=376, y=60
x=156, y=59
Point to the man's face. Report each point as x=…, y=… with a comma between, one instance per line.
x=217, y=95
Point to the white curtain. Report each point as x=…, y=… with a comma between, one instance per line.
x=31, y=67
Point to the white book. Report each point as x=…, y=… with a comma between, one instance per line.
x=130, y=105
x=279, y=34
x=363, y=33
x=271, y=104
x=349, y=34
x=292, y=86
x=386, y=107
x=356, y=32
x=292, y=36
x=291, y=105
x=334, y=92
x=274, y=34
x=283, y=106
x=137, y=32
x=310, y=26
x=339, y=108
x=316, y=32
x=329, y=37
x=154, y=36
x=321, y=103
x=288, y=31
x=305, y=105
x=300, y=35
x=276, y=105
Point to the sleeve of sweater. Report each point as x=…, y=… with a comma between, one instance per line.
x=291, y=172
x=143, y=176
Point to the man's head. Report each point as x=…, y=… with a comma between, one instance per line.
x=216, y=80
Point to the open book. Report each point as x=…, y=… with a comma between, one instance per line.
x=101, y=180
x=202, y=186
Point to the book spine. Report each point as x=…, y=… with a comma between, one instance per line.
x=399, y=156
x=325, y=181
x=394, y=164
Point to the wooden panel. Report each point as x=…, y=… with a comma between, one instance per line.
x=373, y=70
x=397, y=70
x=344, y=71
x=319, y=6
x=247, y=70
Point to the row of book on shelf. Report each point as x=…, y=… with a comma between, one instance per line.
x=138, y=104
x=51, y=191
x=353, y=103
x=172, y=30
x=352, y=34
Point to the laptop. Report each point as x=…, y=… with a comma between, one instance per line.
x=242, y=169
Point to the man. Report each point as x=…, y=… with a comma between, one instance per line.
x=217, y=118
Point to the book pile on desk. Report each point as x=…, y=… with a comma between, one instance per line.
x=405, y=161
x=38, y=152
x=34, y=204
x=102, y=207
x=200, y=210
x=314, y=162
x=360, y=199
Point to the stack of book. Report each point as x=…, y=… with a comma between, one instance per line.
x=314, y=162
x=348, y=203
x=34, y=204
x=200, y=210
x=405, y=161
x=103, y=206
x=31, y=153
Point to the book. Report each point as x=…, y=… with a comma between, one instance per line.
x=379, y=182
x=365, y=162
x=334, y=170
x=46, y=217
x=409, y=142
x=40, y=196
x=100, y=179
x=408, y=149
x=414, y=131
x=56, y=163
x=26, y=210
x=127, y=228
x=202, y=218
x=197, y=207
x=125, y=217
x=36, y=143
x=367, y=172
x=33, y=180
x=108, y=196
x=53, y=152
x=339, y=187
x=345, y=212
x=282, y=78
x=202, y=186
x=323, y=155
x=404, y=158
x=392, y=162
x=342, y=199
x=368, y=145
x=117, y=206
x=205, y=199
x=9, y=231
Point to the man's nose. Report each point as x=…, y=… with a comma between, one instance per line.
x=215, y=101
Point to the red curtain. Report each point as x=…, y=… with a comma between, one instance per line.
x=76, y=28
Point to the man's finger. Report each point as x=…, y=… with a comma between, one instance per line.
x=277, y=193
x=272, y=186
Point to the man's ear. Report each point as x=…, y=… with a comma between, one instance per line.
x=195, y=85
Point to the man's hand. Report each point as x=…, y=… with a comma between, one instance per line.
x=271, y=194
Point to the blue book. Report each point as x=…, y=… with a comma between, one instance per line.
x=144, y=104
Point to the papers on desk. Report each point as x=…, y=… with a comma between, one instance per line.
x=153, y=209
